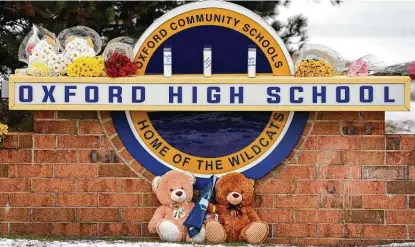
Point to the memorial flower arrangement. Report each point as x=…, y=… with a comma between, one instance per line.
x=4, y=130
x=86, y=67
x=411, y=69
x=119, y=65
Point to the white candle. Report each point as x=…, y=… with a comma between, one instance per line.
x=207, y=61
x=251, y=62
x=167, y=61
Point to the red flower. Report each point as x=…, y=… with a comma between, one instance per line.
x=411, y=69
x=120, y=65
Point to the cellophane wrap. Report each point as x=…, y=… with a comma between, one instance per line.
x=365, y=66
x=123, y=45
x=79, y=41
x=318, y=60
x=196, y=218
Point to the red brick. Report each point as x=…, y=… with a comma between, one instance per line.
x=296, y=172
x=352, y=201
x=117, y=143
x=31, y=228
x=45, y=141
x=373, y=143
x=318, y=187
x=15, y=214
x=272, y=186
x=385, y=172
x=27, y=171
x=74, y=229
x=150, y=200
x=49, y=156
x=339, y=172
x=97, y=185
x=53, y=214
x=97, y=214
x=393, y=142
x=31, y=200
x=363, y=158
x=384, y=201
x=104, y=115
x=314, y=216
x=276, y=215
x=340, y=142
x=77, y=115
x=364, y=216
x=4, y=170
x=363, y=128
x=411, y=232
x=76, y=171
x=330, y=230
x=384, y=232
x=295, y=230
x=330, y=201
x=115, y=170
x=4, y=199
x=352, y=230
x=133, y=185
x=364, y=187
x=329, y=115
x=374, y=115
x=400, y=187
x=55, y=126
x=77, y=200
x=119, y=229
x=78, y=141
x=326, y=128
x=119, y=200
x=263, y=201
x=11, y=141
x=311, y=143
x=26, y=141
x=109, y=128
x=296, y=201
x=408, y=142
x=319, y=157
x=14, y=185
x=4, y=228
x=400, y=158
x=53, y=185
x=400, y=217
x=126, y=155
x=136, y=214
x=411, y=172
x=89, y=127
x=15, y=156
x=44, y=114
x=98, y=156
x=106, y=143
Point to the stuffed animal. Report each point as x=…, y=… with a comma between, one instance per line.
x=174, y=191
x=238, y=221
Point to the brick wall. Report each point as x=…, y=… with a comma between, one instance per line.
x=344, y=183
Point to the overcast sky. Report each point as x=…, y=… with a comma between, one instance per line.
x=357, y=28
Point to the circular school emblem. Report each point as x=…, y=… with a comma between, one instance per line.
x=204, y=142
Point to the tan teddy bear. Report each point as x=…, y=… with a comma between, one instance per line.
x=174, y=191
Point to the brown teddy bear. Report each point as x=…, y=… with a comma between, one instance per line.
x=238, y=221
x=174, y=190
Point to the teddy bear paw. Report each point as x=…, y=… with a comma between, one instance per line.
x=215, y=232
x=198, y=238
x=168, y=231
x=256, y=232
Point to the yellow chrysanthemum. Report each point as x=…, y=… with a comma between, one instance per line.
x=38, y=69
x=314, y=68
x=86, y=67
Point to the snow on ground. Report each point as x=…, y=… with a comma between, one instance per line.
x=5, y=242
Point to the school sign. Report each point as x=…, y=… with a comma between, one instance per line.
x=210, y=124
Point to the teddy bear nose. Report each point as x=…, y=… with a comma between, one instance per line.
x=235, y=195
x=179, y=193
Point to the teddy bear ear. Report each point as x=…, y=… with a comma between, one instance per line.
x=191, y=176
x=252, y=182
x=155, y=183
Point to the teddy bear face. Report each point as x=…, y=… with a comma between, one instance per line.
x=174, y=187
x=235, y=189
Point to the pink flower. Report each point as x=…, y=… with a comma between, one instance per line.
x=411, y=69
